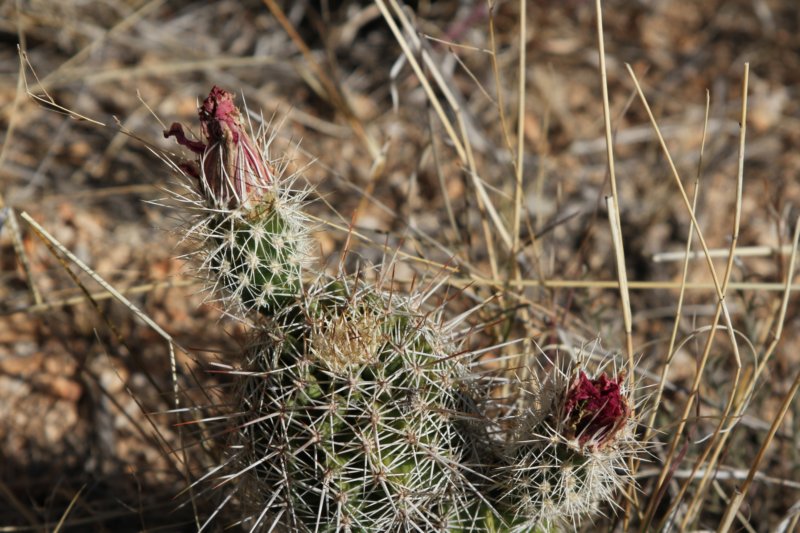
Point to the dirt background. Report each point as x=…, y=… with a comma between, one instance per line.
x=84, y=389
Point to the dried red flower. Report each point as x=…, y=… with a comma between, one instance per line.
x=596, y=409
x=231, y=170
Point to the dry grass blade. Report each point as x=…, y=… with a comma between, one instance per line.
x=622, y=276
x=412, y=60
x=726, y=419
x=460, y=142
x=740, y=252
x=712, y=271
x=738, y=497
x=56, y=245
x=97, y=296
x=519, y=167
x=117, y=295
x=333, y=92
x=71, y=69
x=7, y=213
x=65, y=514
x=19, y=507
x=632, y=285
x=768, y=352
x=616, y=223
x=721, y=308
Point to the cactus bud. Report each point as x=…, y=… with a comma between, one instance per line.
x=561, y=449
x=234, y=172
x=252, y=233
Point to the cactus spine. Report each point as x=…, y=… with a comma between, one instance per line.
x=352, y=411
x=347, y=417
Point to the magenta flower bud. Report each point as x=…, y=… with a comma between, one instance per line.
x=596, y=409
x=231, y=171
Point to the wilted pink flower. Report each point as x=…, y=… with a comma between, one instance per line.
x=231, y=170
x=596, y=409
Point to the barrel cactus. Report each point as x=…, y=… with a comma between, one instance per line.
x=347, y=408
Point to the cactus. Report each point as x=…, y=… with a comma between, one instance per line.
x=250, y=236
x=561, y=450
x=349, y=400
x=346, y=398
x=346, y=418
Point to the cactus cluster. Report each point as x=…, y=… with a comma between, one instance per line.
x=355, y=408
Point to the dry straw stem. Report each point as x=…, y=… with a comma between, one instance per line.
x=717, y=286
x=338, y=98
x=613, y=205
x=750, y=388
x=55, y=245
x=7, y=213
x=66, y=512
x=739, y=494
x=100, y=281
x=410, y=43
x=333, y=92
x=519, y=167
x=742, y=251
x=141, y=288
x=721, y=288
x=619, y=254
x=460, y=142
x=701, y=460
x=632, y=285
x=671, y=350
x=69, y=69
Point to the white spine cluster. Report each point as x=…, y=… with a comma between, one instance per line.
x=253, y=258
x=248, y=230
